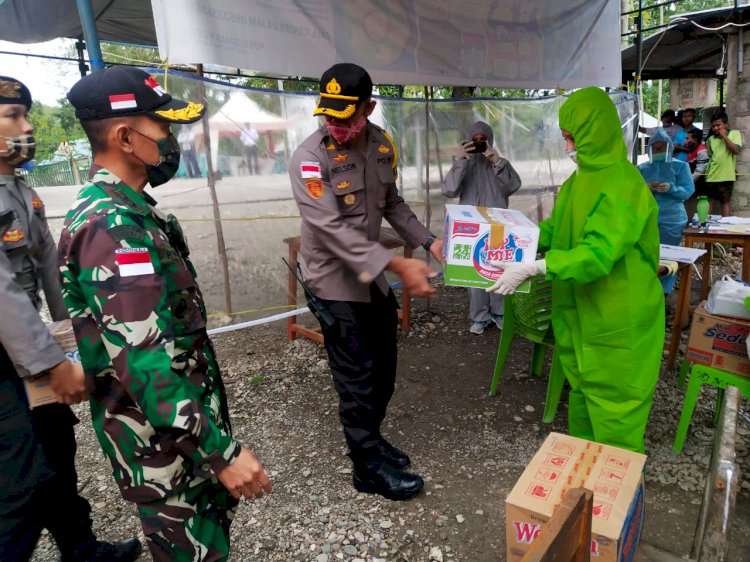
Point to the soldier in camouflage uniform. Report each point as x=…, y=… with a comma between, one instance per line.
x=158, y=403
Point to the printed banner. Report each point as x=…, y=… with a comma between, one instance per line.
x=693, y=92
x=503, y=43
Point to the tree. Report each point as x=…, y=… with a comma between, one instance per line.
x=53, y=125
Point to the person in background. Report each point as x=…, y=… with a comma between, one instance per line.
x=723, y=146
x=682, y=146
x=671, y=183
x=38, y=480
x=698, y=162
x=481, y=176
x=186, y=138
x=667, y=123
x=602, y=255
x=249, y=138
x=158, y=401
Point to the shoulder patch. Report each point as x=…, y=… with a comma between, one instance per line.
x=126, y=231
x=314, y=187
x=310, y=170
x=383, y=149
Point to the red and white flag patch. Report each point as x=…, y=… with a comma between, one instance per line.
x=123, y=101
x=134, y=261
x=310, y=169
x=155, y=85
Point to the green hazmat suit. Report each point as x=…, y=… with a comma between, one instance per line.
x=607, y=303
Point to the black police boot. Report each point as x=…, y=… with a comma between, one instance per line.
x=393, y=455
x=100, y=551
x=379, y=477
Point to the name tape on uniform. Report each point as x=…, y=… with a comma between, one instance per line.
x=310, y=170
x=134, y=261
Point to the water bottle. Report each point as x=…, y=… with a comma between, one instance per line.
x=702, y=210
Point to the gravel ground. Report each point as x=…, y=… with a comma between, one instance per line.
x=469, y=447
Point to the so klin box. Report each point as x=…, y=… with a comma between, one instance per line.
x=475, y=236
x=562, y=463
x=719, y=341
x=38, y=389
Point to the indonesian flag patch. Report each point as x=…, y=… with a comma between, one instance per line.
x=310, y=170
x=123, y=101
x=134, y=261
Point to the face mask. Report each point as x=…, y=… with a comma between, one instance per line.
x=20, y=149
x=169, y=160
x=659, y=157
x=347, y=133
x=572, y=155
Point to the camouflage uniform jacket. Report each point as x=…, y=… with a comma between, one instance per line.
x=158, y=404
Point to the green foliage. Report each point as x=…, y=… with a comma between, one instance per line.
x=130, y=54
x=53, y=125
x=650, y=90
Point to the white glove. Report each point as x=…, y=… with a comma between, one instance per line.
x=663, y=187
x=514, y=274
x=492, y=155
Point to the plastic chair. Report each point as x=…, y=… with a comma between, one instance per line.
x=701, y=375
x=529, y=315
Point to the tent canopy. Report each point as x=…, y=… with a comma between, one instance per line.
x=240, y=112
x=33, y=21
x=685, y=50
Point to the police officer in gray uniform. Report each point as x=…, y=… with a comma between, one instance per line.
x=344, y=181
x=38, y=481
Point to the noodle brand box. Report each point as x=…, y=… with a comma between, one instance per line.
x=475, y=236
x=614, y=475
x=719, y=341
x=38, y=389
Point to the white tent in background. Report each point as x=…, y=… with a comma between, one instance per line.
x=646, y=120
x=239, y=112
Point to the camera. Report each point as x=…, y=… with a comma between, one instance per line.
x=480, y=147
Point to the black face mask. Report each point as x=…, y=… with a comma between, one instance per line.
x=20, y=149
x=169, y=160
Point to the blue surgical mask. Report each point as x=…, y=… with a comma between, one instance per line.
x=662, y=157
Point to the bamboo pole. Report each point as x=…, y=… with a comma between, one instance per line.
x=215, y=201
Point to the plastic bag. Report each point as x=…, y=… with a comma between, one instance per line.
x=727, y=298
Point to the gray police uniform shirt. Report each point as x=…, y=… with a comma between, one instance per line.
x=343, y=196
x=477, y=181
x=28, y=263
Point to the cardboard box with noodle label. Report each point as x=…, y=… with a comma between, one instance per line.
x=563, y=462
x=38, y=389
x=474, y=236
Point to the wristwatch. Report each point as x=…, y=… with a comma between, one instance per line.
x=430, y=239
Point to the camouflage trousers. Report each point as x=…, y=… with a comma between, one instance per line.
x=201, y=537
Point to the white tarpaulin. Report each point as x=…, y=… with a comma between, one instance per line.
x=504, y=43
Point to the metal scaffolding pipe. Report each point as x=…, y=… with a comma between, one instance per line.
x=711, y=542
x=88, y=24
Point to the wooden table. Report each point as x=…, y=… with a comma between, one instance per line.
x=389, y=239
x=694, y=236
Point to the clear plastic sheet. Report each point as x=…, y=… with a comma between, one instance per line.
x=255, y=202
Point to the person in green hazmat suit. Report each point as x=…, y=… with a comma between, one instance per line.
x=602, y=254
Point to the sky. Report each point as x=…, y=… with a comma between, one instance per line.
x=48, y=80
